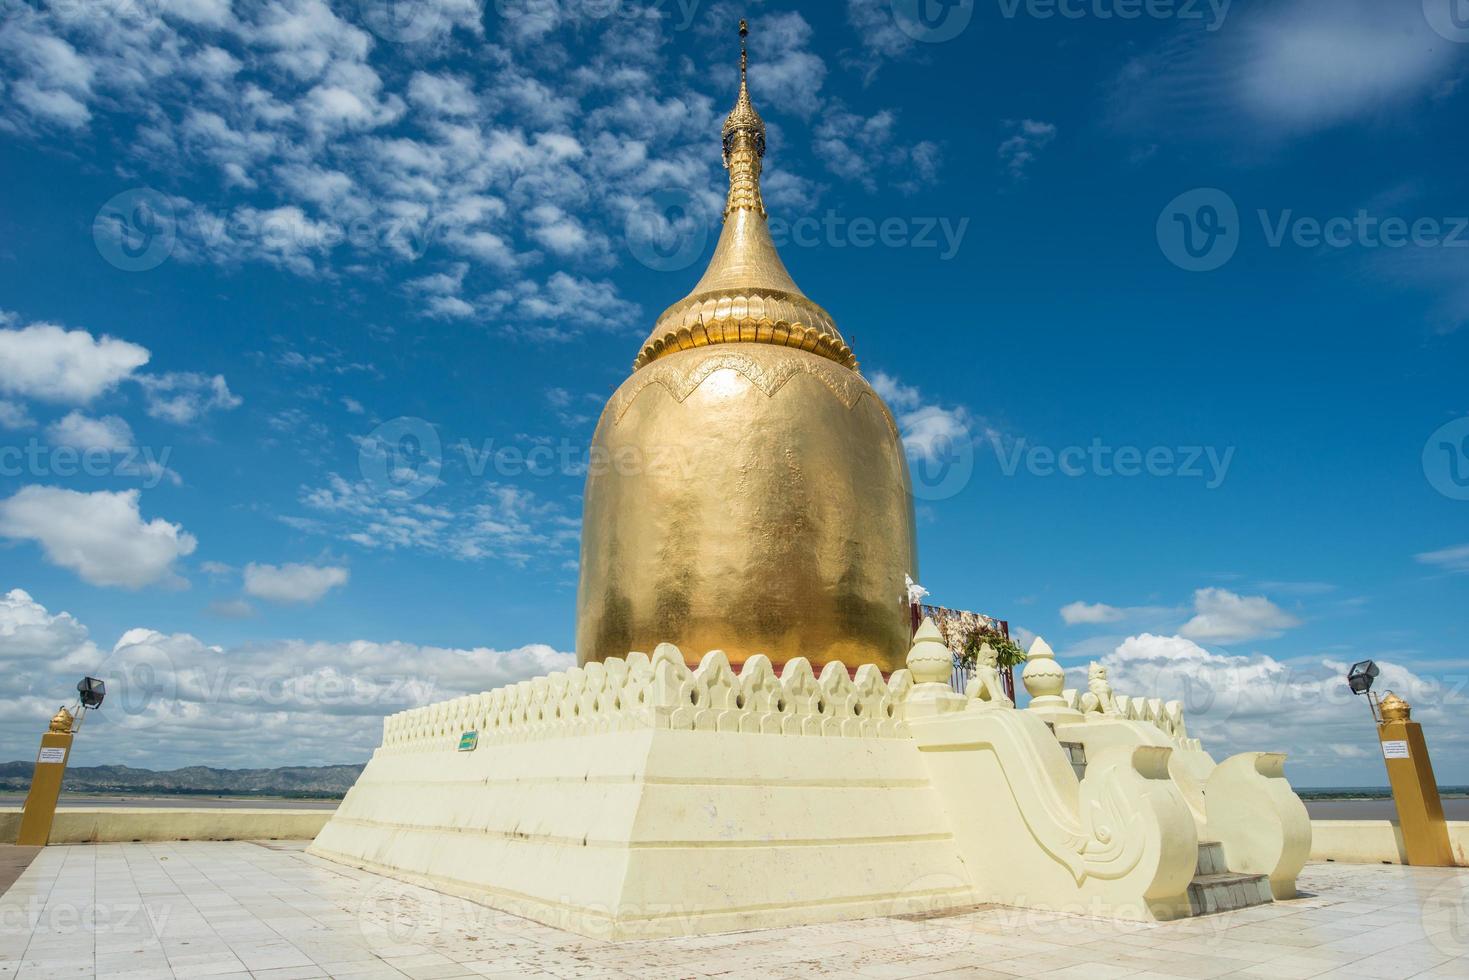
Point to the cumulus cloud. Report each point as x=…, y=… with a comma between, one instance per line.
x=50, y=363
x=1222, y=616
x=292, y=582
x=101, y=535
x=1237, y=703
x=1089, y=612
x=84, y=432
x=930, y=431
x=175, y=699
x=184, y=396
x=14, y=416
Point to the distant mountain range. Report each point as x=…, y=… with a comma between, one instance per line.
x=317, y=782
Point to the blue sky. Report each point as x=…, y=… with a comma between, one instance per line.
x=244, y=247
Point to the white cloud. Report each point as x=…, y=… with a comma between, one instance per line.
x=174, y=699
x=49, y=363
x=1222, y=616
x=929, y=431
x=184, y=396
x=1455, y=559
x=84, y=432
x=292, y=582
x=1089, y=612
x=1294, y=67
x=564, y=301
x=497, y=521
x=101, y=535
x=1301, y=705
x=1027, y=138
x=27, y=630
x=14, y=416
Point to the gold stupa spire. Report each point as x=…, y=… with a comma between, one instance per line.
x=744, y=143
x=745, y=295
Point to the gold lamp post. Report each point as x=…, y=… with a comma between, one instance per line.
x=40, y=805
x=1409, y=772
x=1414, y=789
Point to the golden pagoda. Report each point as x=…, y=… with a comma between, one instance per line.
x=749, y=491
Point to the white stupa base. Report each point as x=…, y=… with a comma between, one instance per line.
x=651, y=833
x=639, y=799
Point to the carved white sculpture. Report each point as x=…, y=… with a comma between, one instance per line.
x=985, y=685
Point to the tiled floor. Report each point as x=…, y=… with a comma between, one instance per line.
x=268, y=910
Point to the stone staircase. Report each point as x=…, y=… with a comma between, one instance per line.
x=1217, y=889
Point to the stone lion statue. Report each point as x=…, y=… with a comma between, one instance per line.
x=1098, y=696
x=985, y=684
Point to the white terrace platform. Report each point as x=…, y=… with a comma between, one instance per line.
x=225, y=909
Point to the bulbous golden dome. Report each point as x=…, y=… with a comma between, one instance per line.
x=748, y=489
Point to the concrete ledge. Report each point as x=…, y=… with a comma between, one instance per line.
x=123, y=824
x=1374, y=841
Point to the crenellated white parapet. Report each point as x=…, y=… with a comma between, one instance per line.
x=639, y=692
x=1099, y=700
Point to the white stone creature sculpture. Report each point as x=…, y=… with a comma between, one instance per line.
x=1098, y=696
x=985, y=684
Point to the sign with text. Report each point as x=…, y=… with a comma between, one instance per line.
x=51, y=755
x=468, y=741
x=1395, y=748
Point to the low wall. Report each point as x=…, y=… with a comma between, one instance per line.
x=1374, y=841
x=123, y=824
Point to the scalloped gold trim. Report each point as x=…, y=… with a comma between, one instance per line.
x=765, y=371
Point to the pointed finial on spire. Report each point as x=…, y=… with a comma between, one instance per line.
x=744, y=144
x=744, y=56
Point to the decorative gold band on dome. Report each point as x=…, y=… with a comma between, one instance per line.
x=747, y=316
x=745, y=295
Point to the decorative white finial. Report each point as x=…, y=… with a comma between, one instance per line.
x=1044, y=678
x=930, y=662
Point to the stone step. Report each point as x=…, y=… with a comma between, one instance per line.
x=1226, y=892
x=1211, y=858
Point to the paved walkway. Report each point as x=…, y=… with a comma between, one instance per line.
x=13, y=860
x=268, y=910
